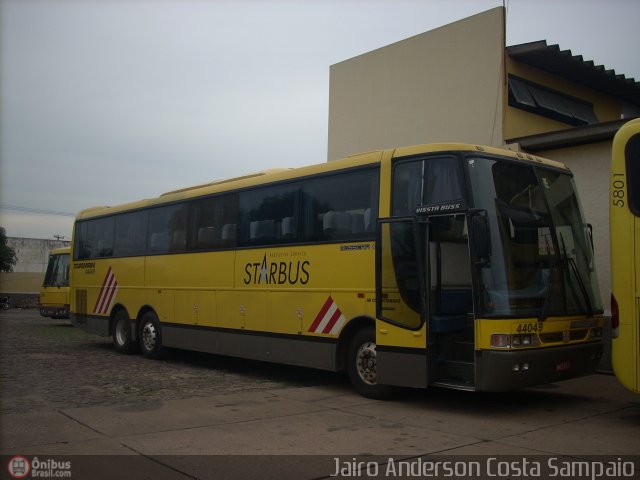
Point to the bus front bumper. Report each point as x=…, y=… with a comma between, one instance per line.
x=513, y=369
x=54, y=311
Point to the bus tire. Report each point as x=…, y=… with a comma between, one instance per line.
x=150, y=336
x=361, y=361
x=122, y=333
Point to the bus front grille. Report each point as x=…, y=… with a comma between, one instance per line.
x=558, y=337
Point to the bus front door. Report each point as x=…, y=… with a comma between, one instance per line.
x=451, y=335
x=424, y=306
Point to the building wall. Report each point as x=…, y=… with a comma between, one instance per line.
x=450, y=84
x=445, y=85
x=590, y=166
x=28, y=273
x=518, y=123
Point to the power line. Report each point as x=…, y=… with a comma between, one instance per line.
x=39, y=211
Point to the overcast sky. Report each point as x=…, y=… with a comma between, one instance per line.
x=104, y=102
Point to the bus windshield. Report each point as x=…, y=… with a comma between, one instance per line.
x=57, y=274
x=541, y=261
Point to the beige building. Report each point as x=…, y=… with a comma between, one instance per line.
x=461, y=83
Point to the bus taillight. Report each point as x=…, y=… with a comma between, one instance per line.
x=615, y=317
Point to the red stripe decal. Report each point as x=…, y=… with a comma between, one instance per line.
x=323, y=311
x=95, y=309
x=336, y=315
x=105, y=308
x=105, y=292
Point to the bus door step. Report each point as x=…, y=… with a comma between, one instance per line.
x=460, y=370
x=464, y=351
x=455, y=385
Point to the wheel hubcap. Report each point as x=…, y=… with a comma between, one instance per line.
x=122, y=333
x=366, y=363
x=149, y=336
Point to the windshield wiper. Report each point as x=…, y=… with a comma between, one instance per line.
x=576, y=272
x=546, y=306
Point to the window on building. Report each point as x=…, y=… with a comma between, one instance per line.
x=540, y=100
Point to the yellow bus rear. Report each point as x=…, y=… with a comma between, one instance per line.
x=624, y=220
x=452, y=265
x=54, y=293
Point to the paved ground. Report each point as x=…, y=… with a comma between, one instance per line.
x=65, y=393
x=47, y=364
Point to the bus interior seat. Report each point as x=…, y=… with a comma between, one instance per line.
x=229, y=232
x=207, y=235
x=357, y=223
x=179, y=239
x=453, y=295
x=336, y=222
x=261, y=229
x=159, y=241
x=368, y=224
x=289, y=227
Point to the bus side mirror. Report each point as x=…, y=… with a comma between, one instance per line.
x=480, y=238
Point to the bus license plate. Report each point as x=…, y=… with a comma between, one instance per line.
x=562, y=366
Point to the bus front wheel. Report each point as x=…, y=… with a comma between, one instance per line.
x=362, y=365
x=150, y=336
x=122, y=338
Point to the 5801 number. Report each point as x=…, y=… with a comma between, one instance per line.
x=617, y=190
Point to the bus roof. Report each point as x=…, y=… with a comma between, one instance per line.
x=280, y=174
x=60, y=251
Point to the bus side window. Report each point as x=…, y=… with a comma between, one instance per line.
x=340, y=206
x=131, y=234
x=262, y=212
x=167, y=229
x=632, y=160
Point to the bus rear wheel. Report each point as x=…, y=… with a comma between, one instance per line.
x=362, y=365
x=122, y=334
x=150, y=336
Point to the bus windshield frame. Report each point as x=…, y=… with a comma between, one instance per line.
x=57, y=274
x=541, y=262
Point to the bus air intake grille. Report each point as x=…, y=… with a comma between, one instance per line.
x=559, y=337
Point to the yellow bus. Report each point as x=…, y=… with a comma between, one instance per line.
x=625, y=254
x=453, y=265
x=54, y=294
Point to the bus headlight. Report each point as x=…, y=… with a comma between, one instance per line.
x=501, y=340
x=596, y=332
x=505, y=340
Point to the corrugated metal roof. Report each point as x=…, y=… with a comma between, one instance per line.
x=573, y=67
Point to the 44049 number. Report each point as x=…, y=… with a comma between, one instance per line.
x=529, y=327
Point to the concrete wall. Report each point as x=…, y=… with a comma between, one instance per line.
x=445, y=85
x=28, y=273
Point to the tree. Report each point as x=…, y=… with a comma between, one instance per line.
x=7, y=254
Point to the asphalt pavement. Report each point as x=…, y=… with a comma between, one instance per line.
x=68, y=396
